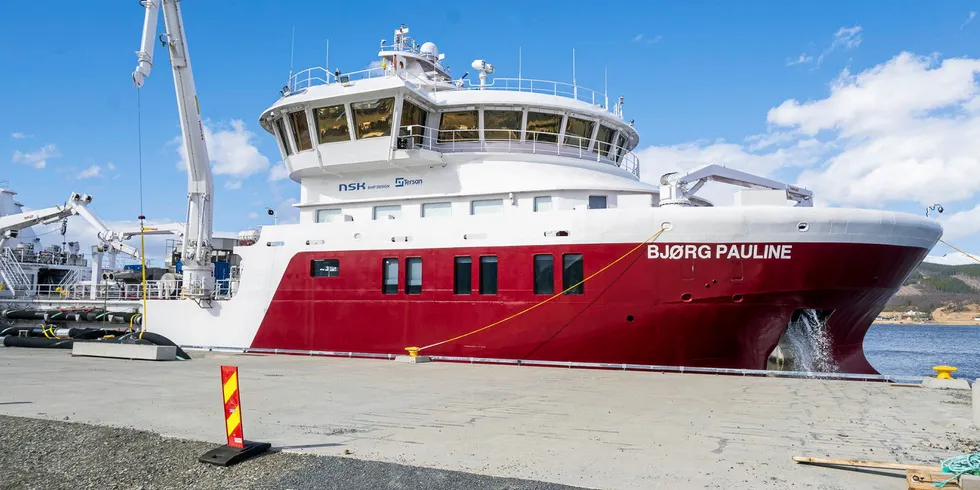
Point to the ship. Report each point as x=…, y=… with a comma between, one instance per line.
x=489, y=218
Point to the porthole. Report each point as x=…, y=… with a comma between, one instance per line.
x=629, y=318
x=666, y=225
x=802, y=226
x=737, y=298
x=686, y=297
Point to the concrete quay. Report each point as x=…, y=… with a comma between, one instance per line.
x=587, y=428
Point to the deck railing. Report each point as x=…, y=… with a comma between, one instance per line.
x=119, y=291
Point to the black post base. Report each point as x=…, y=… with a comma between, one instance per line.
x=227, y=455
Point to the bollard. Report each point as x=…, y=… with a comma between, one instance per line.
x=237, y=449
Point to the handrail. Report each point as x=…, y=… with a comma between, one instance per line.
x=116, y=290
x=503, y=141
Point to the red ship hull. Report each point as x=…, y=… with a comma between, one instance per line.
x=711, y=312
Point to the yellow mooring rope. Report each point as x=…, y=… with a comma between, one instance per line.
x=958, y=250
x=414, y=350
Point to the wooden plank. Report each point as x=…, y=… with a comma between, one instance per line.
x=864, y=464
x=924, y=480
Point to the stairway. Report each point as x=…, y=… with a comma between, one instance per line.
x=12, y=275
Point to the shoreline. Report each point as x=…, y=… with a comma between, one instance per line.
x=930, y=323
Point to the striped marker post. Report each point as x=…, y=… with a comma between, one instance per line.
x=237, y=449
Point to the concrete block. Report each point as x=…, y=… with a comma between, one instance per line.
x=970, y=482
x=946, y=384
x=976, y=402
x=125, y=351
x=413, y=360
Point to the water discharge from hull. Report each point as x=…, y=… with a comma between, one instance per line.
x=806, y=345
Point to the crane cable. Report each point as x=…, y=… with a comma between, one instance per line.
x=142, y=217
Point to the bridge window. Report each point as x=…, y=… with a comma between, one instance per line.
x=301, y=130
x=544, y=274
x=413, y=122
x=543, y=127
x=331, y=124
x=488, y=274
x=620, y=147
x=372, y=118
x=459, y=126
x=487, y=206
x=597, y=202
x=281, y=129
x=389, y=279
x=387, y=212
x=542, y=204
x=573, y=274
x=502, y=125
x=604, y=139
x=437, y=209
x=463, y=275
x=413, y=275
x=578, y=132
x=325, y=268
x=328, y=215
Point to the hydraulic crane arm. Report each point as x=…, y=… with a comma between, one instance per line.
x=196, y=245
x=108, y=236
x=674, y=188
x=11, y=225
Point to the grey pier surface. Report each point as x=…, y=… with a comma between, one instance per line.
x=124, y=351
x=582, y=427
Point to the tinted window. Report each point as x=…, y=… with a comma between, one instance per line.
x=573, y=274
x=372, y=118
x=413, y=122
x=543, y=127
x=459, y=126
x=331, y=124
x=325, y=268
x=578, y=132
x=542, y=204
x=603, y=140
x=301, y=130
x=327, y=215
x=488, y=274
x=544, y=274
x=282, y=136
x=463, y=275
x=502, y=125
x=389, y=271
x=413, y=275
x=597, y=202
x=620, y=147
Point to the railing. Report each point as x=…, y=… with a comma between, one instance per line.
x=548, y=87
x=11, y=273
x=510, y=141
x=118, y=291
x=25, y=256
x=320, y=76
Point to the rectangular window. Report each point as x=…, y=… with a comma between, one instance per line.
x=387, y=212
x=488, y=274
x=389, y=279
x=413, y=275
x=487, y=206
x=301, y=130
x=544, y=274
x=543, y=127
x=331, y=124
x=463, y=275
x=542, y=204
x=328, y=215
x=437, y=209
x=620, y=147
x=578, y=132
x=502, y=125
x=459, y=126
x=572, y=274
x=597, y=202
x=603, y=140
x=325, y=268
x=281, y=128
x=372, y=118
x=412, y=124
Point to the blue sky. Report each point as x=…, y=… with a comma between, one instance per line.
x=705, y=81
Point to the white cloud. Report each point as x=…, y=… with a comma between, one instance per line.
x=640, y=38
x=253, y=215
x=845, y=38
x=93, y=171
x=637, y=38
x=230, y=149
x=39, y=158
x=953, y=258
x=278, y=172
x=233, y=185
x=20, y=136
x=803, y=58
x=110, y=166
x=961, y=223
x=969, y=18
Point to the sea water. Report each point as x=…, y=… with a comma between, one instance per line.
x=912, y=350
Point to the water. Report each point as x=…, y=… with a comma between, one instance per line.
x=807, y=343
x=912, y=350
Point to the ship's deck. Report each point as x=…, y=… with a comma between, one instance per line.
x=590, y=428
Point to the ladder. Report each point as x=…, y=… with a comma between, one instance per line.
x=11, y=273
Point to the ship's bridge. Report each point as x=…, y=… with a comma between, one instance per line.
x=409, y=112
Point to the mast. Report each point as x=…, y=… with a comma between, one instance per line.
x=198, y=272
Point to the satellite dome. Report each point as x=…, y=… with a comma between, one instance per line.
x=430, y=50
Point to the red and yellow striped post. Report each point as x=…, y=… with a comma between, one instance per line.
x=237, y=449
x=233, y=406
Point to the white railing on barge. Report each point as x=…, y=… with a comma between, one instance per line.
x=311, y=77
x=116, y=291
x=510, y=141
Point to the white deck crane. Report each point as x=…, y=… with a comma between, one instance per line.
x=11, y=225
x=198, y=271
x=674, y=190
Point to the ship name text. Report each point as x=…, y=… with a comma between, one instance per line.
x=720, y=251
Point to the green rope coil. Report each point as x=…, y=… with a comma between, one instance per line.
x=960, y=465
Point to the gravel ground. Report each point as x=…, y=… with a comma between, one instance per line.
x=43, y=454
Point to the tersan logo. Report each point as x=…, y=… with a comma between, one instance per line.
x=403, y=182
x=353, y=186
